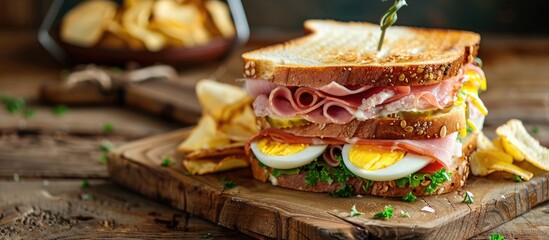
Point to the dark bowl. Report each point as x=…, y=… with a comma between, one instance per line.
x=214, y=50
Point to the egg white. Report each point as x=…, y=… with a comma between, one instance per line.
x=409, y=164
x=298, y=159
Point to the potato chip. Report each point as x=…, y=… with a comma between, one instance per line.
x=511, y=150
x=483, y=143
x=85, y=24
x=219, y=99
x=204, y=166
x=221, y=17
x=515, y=133
x=200, y=136
x=484, y=162
x=136, y=20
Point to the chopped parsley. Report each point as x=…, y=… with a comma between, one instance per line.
x=354, y=212
x=325, y=176
x=496, y=236
x=107, y=128
x=279, y=172
x=385, y=214
x=228, y=184
x=368, y=184
x=260, y=163
x=409, y=197
x=106, y=146
x=535, y=130
x=29, y=113
x=85, y=184
x=413, y=180
x=166, y=162
x=13, y=105
x=59, y=110
x=207, y=235
x=518, y=178
x=103, y=158
x=437, y=179
x=321, y=171
x=343, y=192
x=404, y=214
x=468, y=198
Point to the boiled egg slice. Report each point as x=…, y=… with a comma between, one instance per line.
x=283, y=155
x=374, y=163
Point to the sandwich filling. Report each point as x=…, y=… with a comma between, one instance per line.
x=334, y=103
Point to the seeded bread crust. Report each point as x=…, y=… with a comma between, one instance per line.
x=435, y=126
x=459, y=170
x=346, y=53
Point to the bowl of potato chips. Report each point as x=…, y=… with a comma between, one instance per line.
x=176, y=32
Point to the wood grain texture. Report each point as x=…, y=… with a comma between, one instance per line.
x=85, y=121
x=261, y=210
x=63, y=210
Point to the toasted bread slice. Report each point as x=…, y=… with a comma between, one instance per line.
x=427, y=127
x=459, y=171
x=347, y=54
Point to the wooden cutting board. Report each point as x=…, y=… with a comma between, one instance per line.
x=261, y=210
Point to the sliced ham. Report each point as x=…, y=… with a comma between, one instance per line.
x=330, y=153
x=256, y=87
x=335, y=89
x=306, y=97
x=341, y=104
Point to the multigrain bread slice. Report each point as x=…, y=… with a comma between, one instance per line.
x=434, y=126
x=459, y=171
x=347, y=54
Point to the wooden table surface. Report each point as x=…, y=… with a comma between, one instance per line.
x=45, y=160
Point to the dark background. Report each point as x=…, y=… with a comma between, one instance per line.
x=509, y=17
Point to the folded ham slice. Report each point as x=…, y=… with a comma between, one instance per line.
x=440, y=149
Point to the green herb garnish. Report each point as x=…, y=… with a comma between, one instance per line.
x=535, y=130
x=228, y=184
x=437, y=179
x=409, y=197
x=103, y=158
x=107, y=128
x=385, y=214
x=260, y=163
x=343, y=192
x=13, y=105
x=106, y=146
x=279, y=172
x=207, y=235
x=367, y=184
x=28, y=113
x=404, y=214
x=59, y=110
x=354, y=212
x=311, y=177
x=85, y=184
x=325, y=176
x=166, y=162
x=496, y=236
x=468, y=198
x=518, y=178
x=388, y=19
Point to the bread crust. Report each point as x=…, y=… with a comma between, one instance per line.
x=421, y=128
x=438, y=64
x=459, y=171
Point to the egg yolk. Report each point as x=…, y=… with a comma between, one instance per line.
x=372, y=158
x=274, y=148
